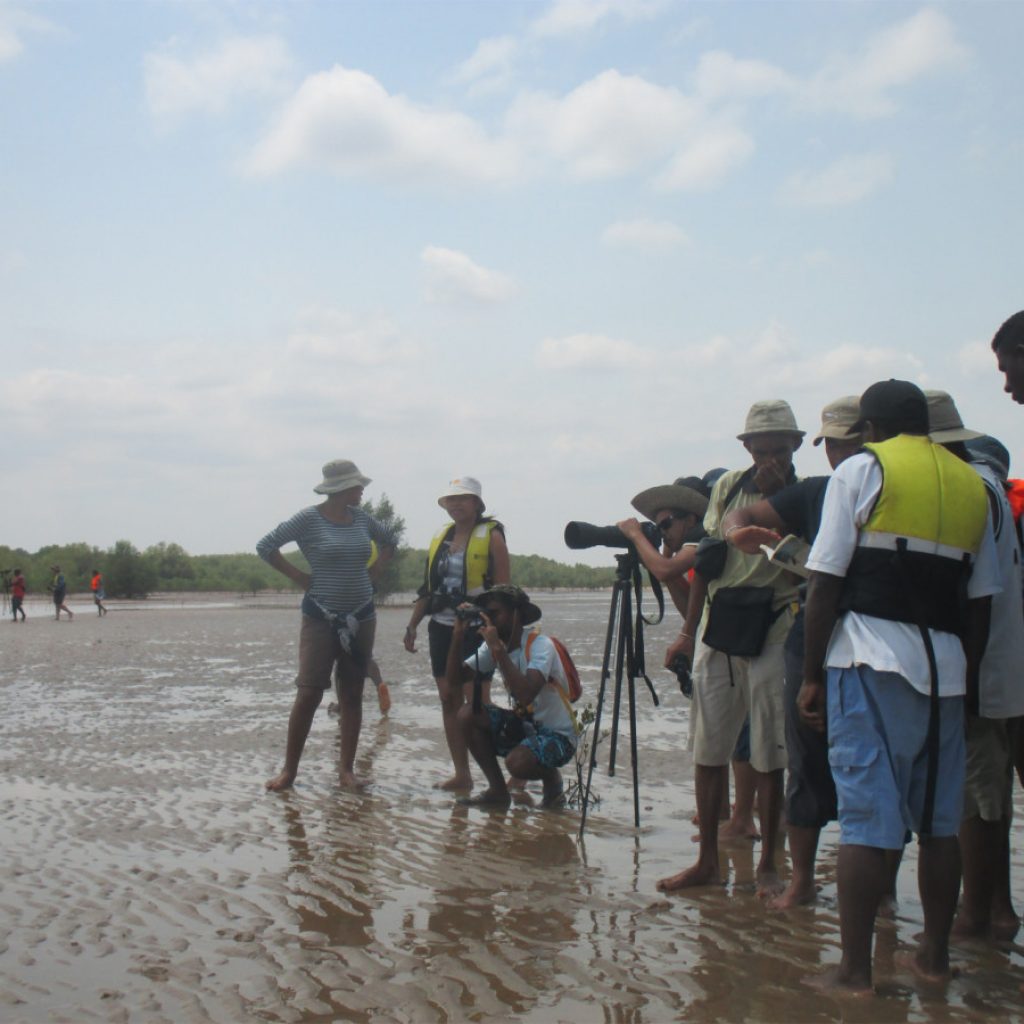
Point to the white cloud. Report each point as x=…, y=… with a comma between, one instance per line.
x=706, y=353
x=706, y=159
x=212, y=82
x=847, y=180
x=976, y=358
x=896, y=56
x=451, y=276
x=591, y=352
x=569, y=17
x=644, y=234
x=337, y=334
x=608, y=126
x=346, y=121
x=15, y=24
x=491, y=62
x=721, y=76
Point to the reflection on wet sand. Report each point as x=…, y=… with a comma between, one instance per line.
x=147, y=876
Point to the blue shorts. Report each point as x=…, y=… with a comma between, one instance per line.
x=878, y=749
x=550, y=748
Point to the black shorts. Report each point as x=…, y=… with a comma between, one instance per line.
x=440, y=637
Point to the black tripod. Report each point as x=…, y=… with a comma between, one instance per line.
x=627, y=636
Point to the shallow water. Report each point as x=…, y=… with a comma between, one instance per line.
x=148, y=876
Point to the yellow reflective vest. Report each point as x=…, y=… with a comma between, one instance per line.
x=914, y=553
x=476, y=571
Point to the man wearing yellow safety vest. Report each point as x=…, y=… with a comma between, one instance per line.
x=902, y=573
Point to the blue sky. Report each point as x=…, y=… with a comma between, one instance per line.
x=559, y=246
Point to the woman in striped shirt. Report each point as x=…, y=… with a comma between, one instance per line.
x=338, y=617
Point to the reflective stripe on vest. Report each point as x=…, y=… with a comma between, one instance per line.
x=478, y=555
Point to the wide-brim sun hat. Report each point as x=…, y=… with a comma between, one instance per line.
x=679, y=495
x=773, y=416
x=509, y=593
x=944, y=422
x=838, y=419
x=340, y=475
x=463, y=485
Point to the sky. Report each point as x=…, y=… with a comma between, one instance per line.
x=559, y=246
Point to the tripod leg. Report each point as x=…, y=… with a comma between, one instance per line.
x=634, y=759
x=625, y=616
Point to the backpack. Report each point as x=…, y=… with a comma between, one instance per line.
x=572, y=674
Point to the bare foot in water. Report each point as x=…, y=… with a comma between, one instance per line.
x=349, y=780
x=456, y=782
x=931, y=973
x=282, y=781
x=831, y=981
x=769, y=885
x=738, y=829
x=691, y=878
x=794, y=895
x=488, y=798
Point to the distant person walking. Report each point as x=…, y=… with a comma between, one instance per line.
x=466, y=557
x=59, y=587
x=98, y=593
x=338, y=615
x=18, y=595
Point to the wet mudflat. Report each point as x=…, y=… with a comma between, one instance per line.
x=146, y=875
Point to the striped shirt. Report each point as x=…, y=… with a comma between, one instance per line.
x=337, y=554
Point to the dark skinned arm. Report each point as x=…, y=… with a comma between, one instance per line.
x=820, y=617
x=748, y=528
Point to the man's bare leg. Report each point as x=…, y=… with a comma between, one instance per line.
x=938, y=882
x=709, y=783
x=476, y=731
x=769, y=810
x=741, y=823
x=985, y=904
x=803, y=852
x=304, y=707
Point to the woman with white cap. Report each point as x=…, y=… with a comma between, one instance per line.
x=466, y=557
x=338, y=616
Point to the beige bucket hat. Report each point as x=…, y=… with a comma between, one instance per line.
x=773, y=416
x=944, y=422
x=838, y=419
x=340, y=475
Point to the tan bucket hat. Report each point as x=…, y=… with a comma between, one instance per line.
x=944, y=422
x=340, y=475
x=682, y=495
x=773, y=416
x=838, y=419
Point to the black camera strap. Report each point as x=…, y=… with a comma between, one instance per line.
x=640, y=665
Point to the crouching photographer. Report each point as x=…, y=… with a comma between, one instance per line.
x=537, y=735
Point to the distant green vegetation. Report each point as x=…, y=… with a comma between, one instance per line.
x=129, y=572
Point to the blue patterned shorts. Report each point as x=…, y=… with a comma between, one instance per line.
x=550, y=748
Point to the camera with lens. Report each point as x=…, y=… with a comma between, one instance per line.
x=470, y=615
x=680, y=665
x=586, y=535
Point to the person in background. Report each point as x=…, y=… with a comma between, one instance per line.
x=18, y=589
x=338, y=614
x=59, y=589
x=466, y=557
x=98, y=593
x=1008, y=345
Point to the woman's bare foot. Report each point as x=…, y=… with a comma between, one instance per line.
x=769, y=885
x=455, y=782
x=930, y=972
x=349, y=780
x=795, y=895
x=691, y=878
x=832, y=981
x=282, y=781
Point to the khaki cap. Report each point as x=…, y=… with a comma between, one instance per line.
x=839, y=418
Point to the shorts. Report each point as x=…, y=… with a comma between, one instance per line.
x=320, y=649
x=988, y=789
x=810, y=791
x=16, y=603
x=878, y=732
x=98, y=595
x=725, y=690
x=440, y=637
x=509, y=730
x=58, y=597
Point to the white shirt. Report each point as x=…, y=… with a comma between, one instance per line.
x=549, y=709
x=884, y=645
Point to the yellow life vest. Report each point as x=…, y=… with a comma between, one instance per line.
x=476, y=571
x=374, y=554
x=914, y=553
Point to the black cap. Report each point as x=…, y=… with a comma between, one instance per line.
x=897, y=402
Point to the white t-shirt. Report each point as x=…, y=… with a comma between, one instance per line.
x=549, y=710
x=884, y=645
x=1002, y=687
